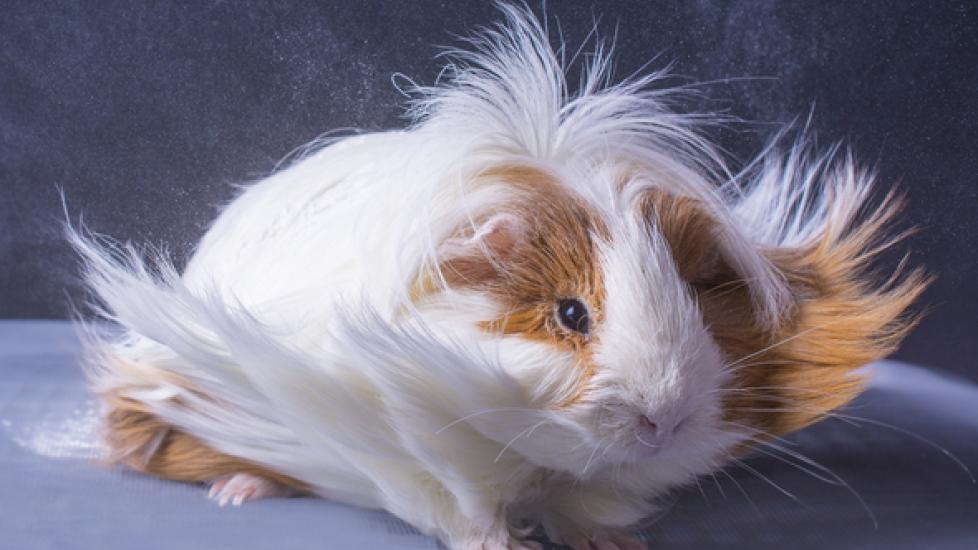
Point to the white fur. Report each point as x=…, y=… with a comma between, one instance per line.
x=294, y=310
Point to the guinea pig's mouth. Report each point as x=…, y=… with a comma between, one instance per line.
x=652, y=439
x=639, y=432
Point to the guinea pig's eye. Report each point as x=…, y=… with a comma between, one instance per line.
x=573, y=315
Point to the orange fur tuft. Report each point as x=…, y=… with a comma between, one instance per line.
x=842, y=320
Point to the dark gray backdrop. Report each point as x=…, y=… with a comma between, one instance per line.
x=146, y=113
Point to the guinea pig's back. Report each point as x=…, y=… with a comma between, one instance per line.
x=290, y=242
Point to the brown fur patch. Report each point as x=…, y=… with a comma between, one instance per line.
x=692, y=235
x=143, y=442
x=842, y=318
x=547, y=255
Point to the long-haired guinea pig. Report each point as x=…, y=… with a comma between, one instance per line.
x=538, y=306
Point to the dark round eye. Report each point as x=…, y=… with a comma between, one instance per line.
x=573, y=315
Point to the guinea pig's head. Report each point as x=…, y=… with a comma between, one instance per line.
x=592, y=305
x=644, y=325
x=651, y=307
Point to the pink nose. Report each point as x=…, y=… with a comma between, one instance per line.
x=648, y=423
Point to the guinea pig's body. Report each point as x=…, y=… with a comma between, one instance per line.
x=530, y=308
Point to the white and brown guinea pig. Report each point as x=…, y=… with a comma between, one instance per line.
x=536, y=306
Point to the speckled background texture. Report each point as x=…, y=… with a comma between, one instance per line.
x=147, y=113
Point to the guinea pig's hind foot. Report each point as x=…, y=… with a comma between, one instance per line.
x=240, y=487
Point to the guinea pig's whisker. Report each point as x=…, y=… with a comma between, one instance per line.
x=725, y=287
x=579, y=445
x=780, y=403
x=742, y=491
x=820, y=473
x=760, y=392
x=527, y=432
x=760, y=445
x=807, y=460
x=593, y=453
x=716, y=482
x=577, y=481
x=758, y=431
x=757, y=389
x=774, y=402
x=855, y=420
x=798, y=409
x=482, y=412
x=768, y=362
x=731, y=368
x=852, y=420
x=785, y=405
x=604, y=453
x=780, y=343
x=766, y=479
x=699, y=487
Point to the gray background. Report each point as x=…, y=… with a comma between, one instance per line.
x=146, y=114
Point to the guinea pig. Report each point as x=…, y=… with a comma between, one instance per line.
x=539, y=306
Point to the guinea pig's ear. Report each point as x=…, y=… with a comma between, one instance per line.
x=478, y=252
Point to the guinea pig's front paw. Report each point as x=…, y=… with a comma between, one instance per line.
x=240, y=487
x=577, y=540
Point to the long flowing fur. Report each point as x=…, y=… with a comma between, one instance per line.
x=317, y=336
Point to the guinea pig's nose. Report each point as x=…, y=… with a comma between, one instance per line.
x=648, y=423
